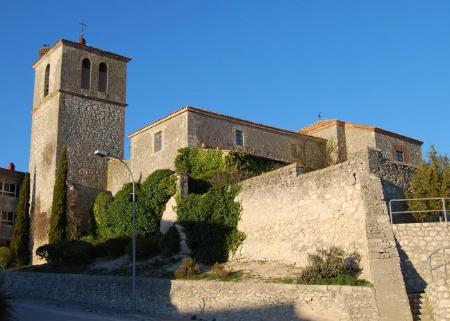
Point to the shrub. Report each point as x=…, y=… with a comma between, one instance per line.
x=6, y=308
x=113, y=247
x=344, y=279
x=432, y=179
x=58, y=218
x=220, y=271
x=113, y=215
x=100, y=211
x=156, y=190
x=66, y=253
x=170, y=242
x=21, y=234
x=210, y=221
x=238, y=160
x=5, y=257
x=330, y=263
x=188, y=268
x=145, y=248
x=199, y=163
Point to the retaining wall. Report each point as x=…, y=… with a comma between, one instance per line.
x=415, y=242
x=438, y=293
x=222, y=301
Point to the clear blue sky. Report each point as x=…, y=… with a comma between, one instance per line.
x=383, y=63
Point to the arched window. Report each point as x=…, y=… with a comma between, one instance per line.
x=86, y=74
x=46, y=80
x=102, y=77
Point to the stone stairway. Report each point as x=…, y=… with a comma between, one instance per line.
x=420, y=307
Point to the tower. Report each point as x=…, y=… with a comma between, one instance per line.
x=79, y=104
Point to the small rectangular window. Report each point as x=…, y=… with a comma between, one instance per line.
x=399, y=156
x=8, y=189
x=239, y=138
x=8, y=217
x=158, y=142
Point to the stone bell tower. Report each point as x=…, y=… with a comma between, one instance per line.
x=79, y=104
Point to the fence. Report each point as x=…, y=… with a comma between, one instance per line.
x=441, y=209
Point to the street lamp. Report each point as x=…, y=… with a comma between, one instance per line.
x=105, y=154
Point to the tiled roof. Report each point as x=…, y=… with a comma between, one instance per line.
x=326, y=123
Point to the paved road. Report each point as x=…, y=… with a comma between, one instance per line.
x=28, y=310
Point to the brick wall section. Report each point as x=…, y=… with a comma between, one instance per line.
x=224, y=301
x=438, y=294
x=415, y=242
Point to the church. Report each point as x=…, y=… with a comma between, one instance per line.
x=79, y=104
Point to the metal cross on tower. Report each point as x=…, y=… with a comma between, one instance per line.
x=83, y=26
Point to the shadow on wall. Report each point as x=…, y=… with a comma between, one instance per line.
x=413, y=281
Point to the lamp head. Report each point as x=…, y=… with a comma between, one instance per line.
x=101, y=153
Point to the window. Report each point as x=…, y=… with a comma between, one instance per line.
x=239, y=137
x=158, y=142
x=47, y=80
x=7, y=189
x=86, y=74
x=102, y=77
x=399, y=156
x=7, y=217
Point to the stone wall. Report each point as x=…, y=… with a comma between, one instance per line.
x=144, y=159
x=438, y=294
x=415, y=242
x=389, y=144
x=221, y=301
x=213, y=130
x=286, y=215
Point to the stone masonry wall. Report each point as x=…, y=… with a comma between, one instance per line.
x=415, y=242
x=285, y=216
x=438, y=294
x=211, y=130
x=221, y=301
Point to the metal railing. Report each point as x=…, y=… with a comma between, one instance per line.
x=431, y=268
x=442, y=209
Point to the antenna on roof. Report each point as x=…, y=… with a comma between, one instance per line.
x=82, y=40
x=320, y=115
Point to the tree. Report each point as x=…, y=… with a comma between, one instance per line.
x=432, y=179
x=21, y=234
x=58, y=218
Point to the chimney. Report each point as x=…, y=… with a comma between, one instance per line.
x=11, y=167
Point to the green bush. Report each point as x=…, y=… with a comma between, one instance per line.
x=188, y=268
x=21, y=235
x=145, y=248
x=113, y=215
x=5, y=257
x=100, y=212
x=199, y=163
x=432, y=179
x=238, y=160
x=170, y=242
x=328, y=264
x=66, y=253
x=210, y=221
x=58, y=217
x=113, y=247
x=344, y=279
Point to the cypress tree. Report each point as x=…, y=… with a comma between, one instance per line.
x=58, y=218
x=432, y=179
x=21, y=235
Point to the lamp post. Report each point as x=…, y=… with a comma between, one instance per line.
x=105, y=154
